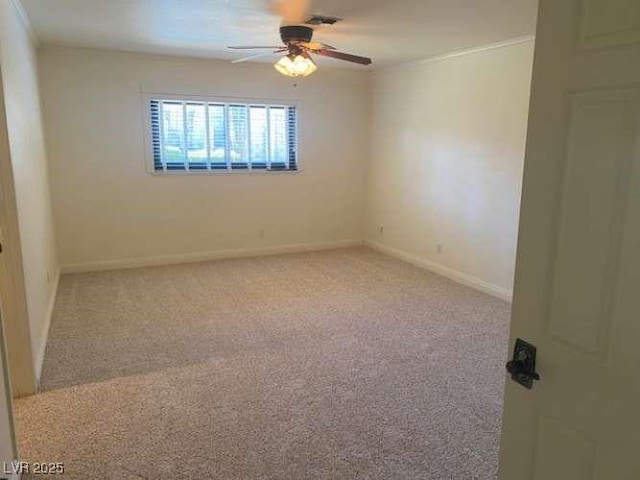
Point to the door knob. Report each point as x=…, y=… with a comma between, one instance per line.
x=523, y=366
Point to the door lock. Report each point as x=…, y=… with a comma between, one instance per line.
x=523, y=366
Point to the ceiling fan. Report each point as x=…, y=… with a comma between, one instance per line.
x=297, y=42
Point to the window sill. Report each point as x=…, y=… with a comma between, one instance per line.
x=195, y=173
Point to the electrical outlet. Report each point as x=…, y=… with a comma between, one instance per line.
x=439, y=248
x=261, y=233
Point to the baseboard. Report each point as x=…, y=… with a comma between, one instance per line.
x=43, y=343
x=205, y=256
x=455, y=275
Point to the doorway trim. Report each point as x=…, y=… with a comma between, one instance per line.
x=20, y=366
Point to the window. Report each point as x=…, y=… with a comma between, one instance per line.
x=196, y=134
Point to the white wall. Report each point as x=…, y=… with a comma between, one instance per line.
x=30, y=175
x=109, y=209
x=448, y=142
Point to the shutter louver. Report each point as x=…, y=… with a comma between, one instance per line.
x=292, y=137
x=156, y=142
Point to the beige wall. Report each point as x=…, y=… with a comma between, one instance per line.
x=446, y=167
x=109, y=210
x=445, y=137
x=31, y=200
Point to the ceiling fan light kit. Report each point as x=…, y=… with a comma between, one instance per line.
x=293, y=65
x=298, y=61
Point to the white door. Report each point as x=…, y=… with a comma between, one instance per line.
x=577, y=294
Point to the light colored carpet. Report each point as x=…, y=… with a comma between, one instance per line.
x=339, y=364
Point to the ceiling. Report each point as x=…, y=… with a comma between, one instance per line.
x=389, y=31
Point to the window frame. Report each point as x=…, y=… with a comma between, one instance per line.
x=148, y=97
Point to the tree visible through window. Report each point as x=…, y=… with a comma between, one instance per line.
x=194, y=135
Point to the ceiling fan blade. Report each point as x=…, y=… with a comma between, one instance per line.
x=317, y=46
x=292, y=12
x=343, y=56
x=245, y=59
x=255, y=48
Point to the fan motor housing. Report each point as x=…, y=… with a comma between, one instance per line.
x=296, y=34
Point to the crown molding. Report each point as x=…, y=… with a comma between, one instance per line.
x=22, y=13
x=463, y=52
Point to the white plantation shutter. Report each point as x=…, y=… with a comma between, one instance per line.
x=217, y=137
x=259, y=136
x=196, y=135
x=278, y=136
x=238, y=117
